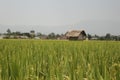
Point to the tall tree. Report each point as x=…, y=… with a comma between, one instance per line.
x=8, y=33
x=32, y=33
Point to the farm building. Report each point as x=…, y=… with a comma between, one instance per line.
x=76, y=35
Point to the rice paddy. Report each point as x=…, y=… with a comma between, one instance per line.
x=59, y=60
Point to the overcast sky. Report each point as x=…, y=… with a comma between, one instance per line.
x=94, y=16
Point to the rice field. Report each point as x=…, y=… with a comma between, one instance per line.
x=59, y=60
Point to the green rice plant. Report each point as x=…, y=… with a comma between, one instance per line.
x=59, y=60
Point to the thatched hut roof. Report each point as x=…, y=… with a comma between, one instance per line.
x=75, y=33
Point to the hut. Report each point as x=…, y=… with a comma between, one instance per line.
x=76, y=35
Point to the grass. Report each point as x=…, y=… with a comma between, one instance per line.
x=59, y=60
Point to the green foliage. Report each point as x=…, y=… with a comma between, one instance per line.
x=59, y=60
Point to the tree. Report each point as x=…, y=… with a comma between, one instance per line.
x=51, y=36
x=96, y=36
x=57, y=35
x=108, y=36
x=89, y=36
x=32, y=33
x=18, y=33
x=39, y=34
x=8, y=33
x=26, y=34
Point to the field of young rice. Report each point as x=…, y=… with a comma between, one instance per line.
x=59, y=60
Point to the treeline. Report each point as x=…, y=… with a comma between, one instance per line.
x=33, y=35
x=30, y=35
x=108, y=36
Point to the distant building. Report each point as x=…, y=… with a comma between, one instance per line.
x=23, y=37
x=2, y=36
x=36, y=37
x=76, y=35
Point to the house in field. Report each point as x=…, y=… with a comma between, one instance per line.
x=76, y=35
